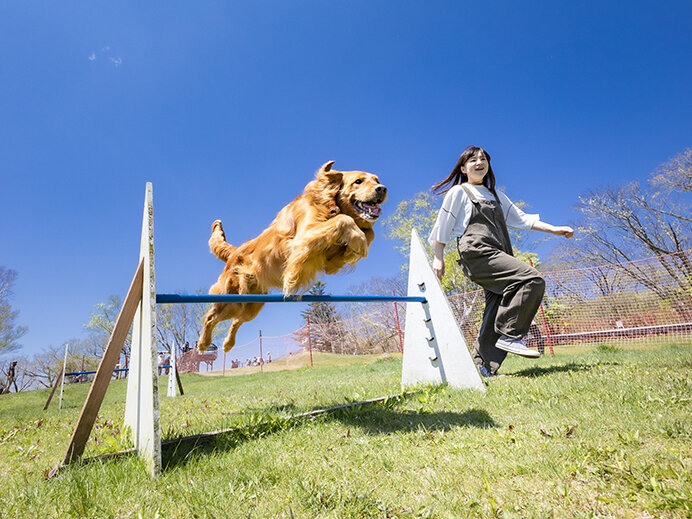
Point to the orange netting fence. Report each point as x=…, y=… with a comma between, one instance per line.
x=649, y=298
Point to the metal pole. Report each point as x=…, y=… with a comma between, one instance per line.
x=398, y=327
x=64, y=370
x=309, y=341
x=261, y=359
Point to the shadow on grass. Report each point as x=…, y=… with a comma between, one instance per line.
x=371, y=419
x=538, y=371
x=388, y=421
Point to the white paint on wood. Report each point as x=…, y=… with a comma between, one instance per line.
x=435, y=351
x=172, y=382
x=142, y=413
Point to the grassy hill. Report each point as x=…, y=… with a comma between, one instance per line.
x=302, y=359
x=598, y=432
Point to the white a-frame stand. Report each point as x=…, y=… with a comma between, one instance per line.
x=142, y=413
x=435, y=351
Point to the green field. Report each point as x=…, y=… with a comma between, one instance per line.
x=594, y=432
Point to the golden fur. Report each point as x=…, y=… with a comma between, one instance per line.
x=325, y=229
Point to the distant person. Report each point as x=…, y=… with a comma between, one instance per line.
x=479, y=216
x=11, y=379
x=269, y=357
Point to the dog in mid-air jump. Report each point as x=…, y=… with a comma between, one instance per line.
x=325, y=229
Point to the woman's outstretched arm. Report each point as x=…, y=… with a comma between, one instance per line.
x=562, y=230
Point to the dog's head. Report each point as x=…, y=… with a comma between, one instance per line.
x=356, y=193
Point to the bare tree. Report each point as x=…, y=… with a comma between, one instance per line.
x=180, y=324
x=45, y=367
x=621, y=224
x=176, y=325
x=676, y=173
x=10, y=333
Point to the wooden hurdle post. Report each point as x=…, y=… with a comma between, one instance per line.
x=142, y=412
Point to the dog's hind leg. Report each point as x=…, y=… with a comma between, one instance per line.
x=250, y=311
x=217, y=313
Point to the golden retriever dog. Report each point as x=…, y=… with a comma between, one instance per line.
x=325, y=229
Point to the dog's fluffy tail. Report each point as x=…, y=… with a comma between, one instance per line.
x=217, y=242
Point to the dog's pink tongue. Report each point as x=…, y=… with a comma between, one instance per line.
x=375, y=210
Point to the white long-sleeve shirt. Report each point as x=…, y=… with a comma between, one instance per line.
x=455, y=213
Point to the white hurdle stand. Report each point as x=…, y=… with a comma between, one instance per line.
x=435, y=351
x=142, y=411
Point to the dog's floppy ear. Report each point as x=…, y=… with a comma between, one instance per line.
x=327, y=166
x=326, y=173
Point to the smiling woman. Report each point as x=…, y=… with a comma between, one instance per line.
x=474, y=212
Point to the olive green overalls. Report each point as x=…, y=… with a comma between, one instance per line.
x=513, y=289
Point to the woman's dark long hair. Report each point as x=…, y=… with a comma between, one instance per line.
x=459, y=177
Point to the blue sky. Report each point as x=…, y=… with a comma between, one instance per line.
x=230, y=107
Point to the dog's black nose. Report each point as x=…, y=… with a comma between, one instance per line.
x=381, y=190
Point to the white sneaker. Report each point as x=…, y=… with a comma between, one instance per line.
x=517, y=347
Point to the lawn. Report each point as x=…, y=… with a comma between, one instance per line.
x=594, y=432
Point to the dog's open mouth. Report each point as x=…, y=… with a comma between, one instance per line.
x=367, y=211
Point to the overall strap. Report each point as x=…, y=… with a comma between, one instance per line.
x=469, y=193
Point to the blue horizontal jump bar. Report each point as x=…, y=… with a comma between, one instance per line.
x=277, y=298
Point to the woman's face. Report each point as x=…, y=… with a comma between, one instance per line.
x=476, y=168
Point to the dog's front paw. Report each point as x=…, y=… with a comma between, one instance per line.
x=358, y=245
x=290, y=288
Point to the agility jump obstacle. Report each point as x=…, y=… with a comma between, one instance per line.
x=435, y=351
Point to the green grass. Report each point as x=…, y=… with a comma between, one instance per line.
x=605, y=432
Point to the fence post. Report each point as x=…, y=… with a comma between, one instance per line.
x=309, y=341
x=62, y=379
x=261, y=359
x=398, y=327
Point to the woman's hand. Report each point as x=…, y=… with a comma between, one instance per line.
x=565, y=231
x=438, y=267
x=438, y=259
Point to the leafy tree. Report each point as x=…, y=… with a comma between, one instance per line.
x=102, y=321
x=10, y=333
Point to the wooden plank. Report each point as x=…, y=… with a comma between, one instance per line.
x=55, y=386
x=180, y=384
x=103, y=376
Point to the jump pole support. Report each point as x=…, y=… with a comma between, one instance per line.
x=435, y=351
